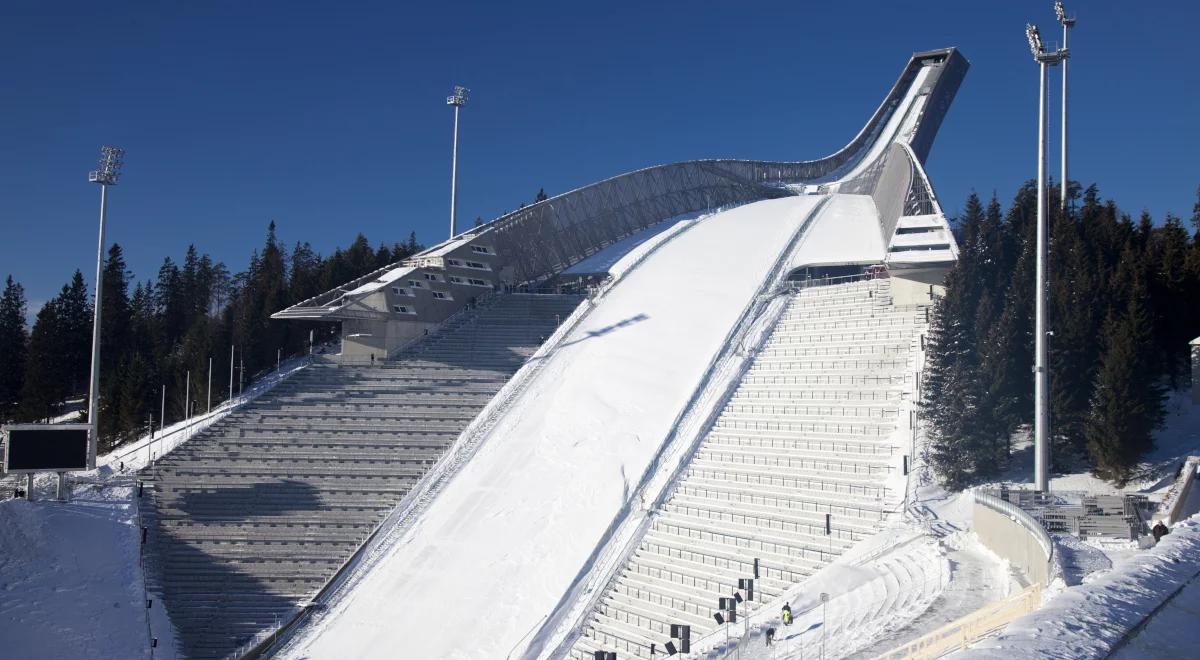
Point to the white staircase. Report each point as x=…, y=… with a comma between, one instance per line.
x=806, y=435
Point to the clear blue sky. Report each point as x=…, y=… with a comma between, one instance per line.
x=330, y=118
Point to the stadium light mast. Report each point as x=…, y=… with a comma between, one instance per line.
x=1041, y=392
x=458, y=99
x=109, y=170
x=1067, y=23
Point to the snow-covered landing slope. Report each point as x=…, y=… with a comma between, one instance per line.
x=503, y=542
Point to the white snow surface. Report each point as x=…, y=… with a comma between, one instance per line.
x=616, y=258
x=846, y=232
x=506, y=538
x=1087, y=621
x=70, y=581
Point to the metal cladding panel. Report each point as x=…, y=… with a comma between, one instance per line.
x=538, y=241
x=46, y=448
x=942, y=94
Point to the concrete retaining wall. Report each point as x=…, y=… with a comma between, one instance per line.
x=1014, y=535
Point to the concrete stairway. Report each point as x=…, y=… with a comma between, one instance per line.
x=251, y=518
x=805, y=436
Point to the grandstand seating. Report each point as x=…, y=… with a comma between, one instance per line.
x=805, y=435
x=252, y=517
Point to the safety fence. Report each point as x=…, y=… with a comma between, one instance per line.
x=962, y=633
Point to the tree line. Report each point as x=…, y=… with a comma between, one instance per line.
x=154, y=333
x=1122, y=306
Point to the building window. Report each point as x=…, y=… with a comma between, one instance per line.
x=431, y=277
x=400, y=291
x=454, y=262
x=476, y=282
x=415, y=284
x=441, y=295
x=455, y=280
x=402, y=309
x=480, y=249
x=477, y=265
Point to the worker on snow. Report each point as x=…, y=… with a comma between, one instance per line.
x=1160, y=530
x=787, y=614
x=770, y=636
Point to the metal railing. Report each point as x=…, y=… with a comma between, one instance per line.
x=1021, y=517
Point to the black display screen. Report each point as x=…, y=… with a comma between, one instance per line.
x=50, y=449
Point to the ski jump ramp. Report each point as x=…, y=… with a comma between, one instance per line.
x=500, y=558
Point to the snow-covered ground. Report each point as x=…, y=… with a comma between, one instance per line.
x=1087, y=621
x=71, y=582
x=506, y=538
x=1179, y=438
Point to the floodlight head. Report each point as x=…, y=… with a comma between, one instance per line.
x=1035, y=40
x=111, y=160
x=459, y=97
x=1061, y=13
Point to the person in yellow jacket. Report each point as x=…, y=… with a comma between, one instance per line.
x=787, y=614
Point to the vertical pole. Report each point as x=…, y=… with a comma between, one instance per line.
x=29, y=487
x=231, y=372
x=1041, y=476
x=310, y=342
x=94, y=382
x=454, y=180
x=187, y=396
x=241, y=372
x=162, y=417
x=278, y=352
x=209, y=385
x=62, y=486
x=1063, y=182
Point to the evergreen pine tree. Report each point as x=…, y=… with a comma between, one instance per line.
x=45, y=385
x=14, y=340
x=75, y=318
x=1126, y=402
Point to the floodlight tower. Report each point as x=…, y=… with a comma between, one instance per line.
x=458, y=99
x=1041, y=391
x=1067, y=24
x=111, y=159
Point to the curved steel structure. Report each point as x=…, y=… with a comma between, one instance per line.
x=536, y=242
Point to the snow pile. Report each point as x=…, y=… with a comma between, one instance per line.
x=506, y=538
x=1089, y=620
x=71, y=582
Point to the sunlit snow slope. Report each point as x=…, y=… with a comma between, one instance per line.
x=504, y=541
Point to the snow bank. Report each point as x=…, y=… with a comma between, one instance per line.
x=1088, y=620
x=508, y=536
x=70, y=578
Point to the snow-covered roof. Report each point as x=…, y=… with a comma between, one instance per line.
x=381, y=281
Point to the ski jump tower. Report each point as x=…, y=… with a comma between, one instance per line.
x=384, y=311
